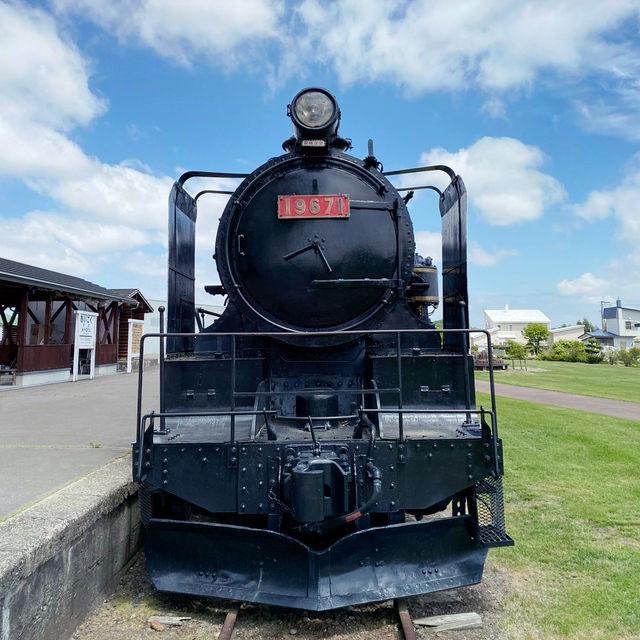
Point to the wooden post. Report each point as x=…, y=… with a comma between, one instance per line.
x=21, y=334
x=22, y=319
x=47, y=321
x=67, y=321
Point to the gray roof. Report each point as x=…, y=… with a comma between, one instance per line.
x=601, y=334
x=26, y=274
x=131, y=293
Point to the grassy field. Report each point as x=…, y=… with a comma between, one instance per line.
x=599, y=380
x=572, y=491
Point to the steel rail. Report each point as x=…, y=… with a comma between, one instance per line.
x=408, y=630
x=229, y=622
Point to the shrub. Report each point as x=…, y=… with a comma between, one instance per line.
x=629, y=357
x=566, y=351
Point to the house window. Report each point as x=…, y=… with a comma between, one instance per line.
x=627, y=324
x=510, y=327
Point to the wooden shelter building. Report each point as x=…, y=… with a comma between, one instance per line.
x=37, y=322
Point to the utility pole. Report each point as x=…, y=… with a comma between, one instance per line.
x=602, y=303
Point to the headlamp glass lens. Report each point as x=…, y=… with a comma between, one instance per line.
x=314, y=109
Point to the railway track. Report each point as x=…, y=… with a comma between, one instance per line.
x=400, y=606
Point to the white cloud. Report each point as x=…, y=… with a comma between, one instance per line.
x=39, y=152
x=223, y=32
x=44, y=89
x=427, y=44
x=118, y=193
x=429, y=243
x=140, y=262
x=50, y=240
x=495, y=108
x=588, y=287
x=43, y=77
x=497, y=46
x=621, y=203
x=503, y=179
x=480, y=257
x=422, y=45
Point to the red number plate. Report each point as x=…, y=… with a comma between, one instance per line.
x=293, y=207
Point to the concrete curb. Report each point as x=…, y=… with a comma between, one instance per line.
x=64, y=554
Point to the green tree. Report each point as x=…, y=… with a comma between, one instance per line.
x=535, y=333
x=516, y=350
x=588, y=326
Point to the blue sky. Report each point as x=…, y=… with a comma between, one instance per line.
x=535, y=104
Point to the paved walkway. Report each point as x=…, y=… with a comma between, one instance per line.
x=614, y=408
x=54, y=434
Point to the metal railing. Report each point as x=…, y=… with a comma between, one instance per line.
x=234, y=394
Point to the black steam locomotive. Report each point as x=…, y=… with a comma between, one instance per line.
x=318, y=444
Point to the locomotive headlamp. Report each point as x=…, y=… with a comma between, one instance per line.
x=314, y=113
x=314, y=109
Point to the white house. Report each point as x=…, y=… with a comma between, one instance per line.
x=507, y=324
x=622, y=327
x=565, y=333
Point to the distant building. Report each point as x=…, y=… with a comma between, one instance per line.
x=38, y=311
x=507, y=324
x=574, y=332
x=152, y=322
x=621, y=330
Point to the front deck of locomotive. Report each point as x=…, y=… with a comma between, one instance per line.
x=319, y=445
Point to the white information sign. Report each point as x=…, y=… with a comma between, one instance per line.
x=85, y=338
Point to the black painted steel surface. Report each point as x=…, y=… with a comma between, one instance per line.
x=307, y=274
x=254, y=565
x=318, y=445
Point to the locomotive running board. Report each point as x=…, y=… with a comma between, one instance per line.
x=255, y=565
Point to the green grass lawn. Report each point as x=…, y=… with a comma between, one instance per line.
x=572, y=496
x=599, y=380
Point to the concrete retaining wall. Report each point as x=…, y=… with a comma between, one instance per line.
x=62, y=556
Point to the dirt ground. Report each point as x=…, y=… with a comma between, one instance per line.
x=125, y=616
